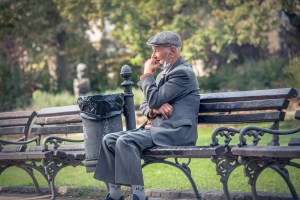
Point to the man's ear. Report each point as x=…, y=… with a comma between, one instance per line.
x=173, y=49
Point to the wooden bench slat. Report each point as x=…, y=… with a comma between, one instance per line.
x=244, y=105
x=184, y=152
x=241, y=118
x=58, y=120
x=13, y=122
x=12, y=130
x=25, y=156
x=294, y=142
x=297, y=115
x=57, y=130
x=17, y=114
x=13, y=148
x=249, y=95
x=58, y=111
x=72, y=147
x=267, y=151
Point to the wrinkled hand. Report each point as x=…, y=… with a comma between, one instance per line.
x=151, y=65
x=166, y=110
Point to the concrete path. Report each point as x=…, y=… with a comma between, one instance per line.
x=70, y=193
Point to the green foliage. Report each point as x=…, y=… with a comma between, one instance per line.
x=138, y=94
x=293, y=72
x=251, y=75
x=15, y=88
x=47, y=39
x=42, y=99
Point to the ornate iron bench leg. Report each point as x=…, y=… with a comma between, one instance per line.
x=28, y=168
x=183, y=167
x=283, y=172
x=225, y=165
x=52, y=168
x=255, y=166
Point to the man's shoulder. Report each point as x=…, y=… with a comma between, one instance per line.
x=184, y=68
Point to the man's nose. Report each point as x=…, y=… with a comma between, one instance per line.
x=153, y=55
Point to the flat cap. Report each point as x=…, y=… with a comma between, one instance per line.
x=165, y=38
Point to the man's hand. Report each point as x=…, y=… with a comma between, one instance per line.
x=166, y=110
x=150, y=66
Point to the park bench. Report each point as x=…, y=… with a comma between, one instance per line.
x=47, y=159
x=256, y=159
x=244, y=107
x=258, y=106
x=14, y=149
x=59, y=128
x=226, y=108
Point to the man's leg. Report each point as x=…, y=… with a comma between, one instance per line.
x=128, y=168
x=105, y=169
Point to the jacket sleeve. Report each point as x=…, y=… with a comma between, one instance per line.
x=176, y=85
x=144, y=108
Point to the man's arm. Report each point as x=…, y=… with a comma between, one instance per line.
x=166, y=110
x=177, y=85
x=144, y=108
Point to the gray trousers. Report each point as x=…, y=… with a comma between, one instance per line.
x=120, y=157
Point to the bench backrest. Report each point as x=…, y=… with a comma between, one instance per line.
x=215, y=108
x=245, y=106
x=57, y=120
x=16, y=123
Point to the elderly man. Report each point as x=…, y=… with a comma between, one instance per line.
x=171, y=105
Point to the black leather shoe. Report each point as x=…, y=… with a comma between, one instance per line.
x=107, y=197
x=134, y=197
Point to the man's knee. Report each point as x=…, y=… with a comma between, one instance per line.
x=109, y=139
x=122, y=140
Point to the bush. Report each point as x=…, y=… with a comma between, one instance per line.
x=15, y=88
x=250, y=75
x=42, y=99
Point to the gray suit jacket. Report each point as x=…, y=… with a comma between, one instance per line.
x=180, y=89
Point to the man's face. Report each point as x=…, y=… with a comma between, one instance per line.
x=160, y=54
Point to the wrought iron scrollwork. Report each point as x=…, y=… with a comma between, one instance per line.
x=253, y=167
x=251, y=133
x=184, y=165
x=256, y=132
x=224, y=167
x=56, y=141
x=54, y=166
x=225, y=132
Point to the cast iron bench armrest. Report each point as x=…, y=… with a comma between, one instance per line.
x=56, y=141
x=255, y=132
x=5, y=142
x=223, y=131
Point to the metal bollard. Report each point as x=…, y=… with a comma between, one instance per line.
x=128, y=98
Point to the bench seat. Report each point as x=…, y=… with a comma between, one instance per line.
x=25, y=156
x=267, y=151
x=185, y=151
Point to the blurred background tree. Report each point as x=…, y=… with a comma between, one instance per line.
x=232, y=44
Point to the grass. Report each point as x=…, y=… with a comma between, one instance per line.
x=160, y=176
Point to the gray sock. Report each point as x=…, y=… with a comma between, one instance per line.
x=139, y=191
x=115, y=191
